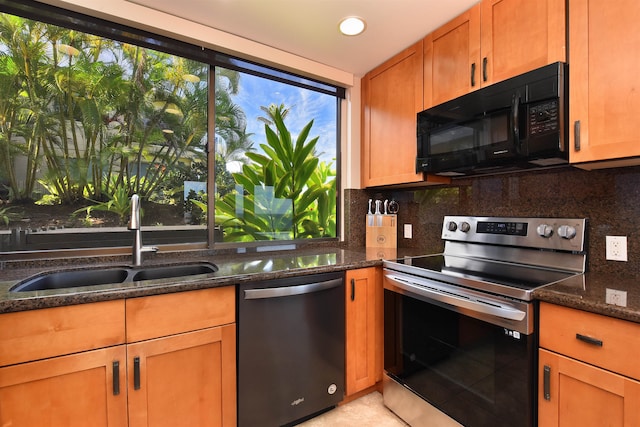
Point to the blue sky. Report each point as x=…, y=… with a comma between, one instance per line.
x=305, y=105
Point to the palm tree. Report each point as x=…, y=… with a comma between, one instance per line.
x=21, y=116
x=272, y=111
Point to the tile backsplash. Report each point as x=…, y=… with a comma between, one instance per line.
x=609, y=198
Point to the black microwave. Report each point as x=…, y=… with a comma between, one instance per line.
x=519, y=123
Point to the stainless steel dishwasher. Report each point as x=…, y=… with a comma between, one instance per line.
x=290, y=348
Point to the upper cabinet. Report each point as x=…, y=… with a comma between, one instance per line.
x=520, y=36
x=604, y=97
x=391, y=98
x=452, y=58
x=494, y=40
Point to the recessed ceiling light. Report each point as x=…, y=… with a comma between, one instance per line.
x=352, y=26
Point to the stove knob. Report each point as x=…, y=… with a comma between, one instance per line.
x=545, y=230
x=567, y=232
x=451, y=226
x=465, y=227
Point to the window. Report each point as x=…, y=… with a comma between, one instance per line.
x=275, y=160
x=93, y=112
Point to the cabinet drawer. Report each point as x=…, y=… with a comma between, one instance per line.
x=39, y=334
x=161, y=315
x=599, y=340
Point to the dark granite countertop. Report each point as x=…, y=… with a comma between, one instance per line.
x=588, y=292
x=584, y=292
x=233, y=270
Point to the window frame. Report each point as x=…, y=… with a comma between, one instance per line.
x=46, y=13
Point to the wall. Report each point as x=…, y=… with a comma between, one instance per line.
x=609, y=198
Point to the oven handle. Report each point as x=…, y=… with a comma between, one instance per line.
x=492, y=308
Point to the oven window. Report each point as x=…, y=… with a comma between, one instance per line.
x=478, y=373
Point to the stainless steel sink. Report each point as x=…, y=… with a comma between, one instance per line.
x=104, y=276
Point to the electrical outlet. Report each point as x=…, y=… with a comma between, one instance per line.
x=408, y=231
x=617, y=248
x=616, y=297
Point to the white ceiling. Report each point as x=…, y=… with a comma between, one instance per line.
x=309, y=28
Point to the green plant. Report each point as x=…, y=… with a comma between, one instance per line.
x=119, y=203
x=196, y=205
x=285, y=193
x=9, y=213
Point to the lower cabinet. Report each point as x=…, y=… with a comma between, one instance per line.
x=587, y=372
x=172, y=362
x=186, y=379
x=363, y=329
x=84, y=389
x=583, y=395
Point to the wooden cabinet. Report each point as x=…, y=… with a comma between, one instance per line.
x=452, y=58
x=587, y=371
x=171, y=363
x=55, y=373
x=363, y=329
x=182, y=369
x=84, y=389
x=519, y=36
x=391, y=98
x=604, y=64
x=184, y=379
x=494, y=40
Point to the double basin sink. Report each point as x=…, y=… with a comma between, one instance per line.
x=113, y=275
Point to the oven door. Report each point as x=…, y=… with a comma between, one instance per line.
x=478, y=372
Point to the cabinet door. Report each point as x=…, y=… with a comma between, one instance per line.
x=363, y=329
x=84, y=389
x=452, y=59
x=583, y=395
x=519, y=36
x=392, y=96
x=604, y=96
x=187, y=379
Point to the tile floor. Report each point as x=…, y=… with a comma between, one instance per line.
x=367, y=411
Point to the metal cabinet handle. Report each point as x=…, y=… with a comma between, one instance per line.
x=589, y=340
x=136, y=373
x=353, y=289
x=116, y=377
x=473, y=74
x=547, y=382
x=576, y=132
x=484, y=69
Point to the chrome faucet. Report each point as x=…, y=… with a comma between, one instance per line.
x=134, y=225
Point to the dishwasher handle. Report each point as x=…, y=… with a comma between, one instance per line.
x=287, y=291
x=459, y=300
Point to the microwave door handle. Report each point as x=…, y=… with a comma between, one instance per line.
x=515, y=109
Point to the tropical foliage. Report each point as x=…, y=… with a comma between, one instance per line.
x=87, y=121
x=288, y=193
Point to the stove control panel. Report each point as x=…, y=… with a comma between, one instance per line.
x=544, y=233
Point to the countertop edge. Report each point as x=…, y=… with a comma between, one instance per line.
x=14, y=302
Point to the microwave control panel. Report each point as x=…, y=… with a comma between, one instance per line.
x=543, y=117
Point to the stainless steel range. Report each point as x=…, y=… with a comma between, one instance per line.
x=460, y=328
